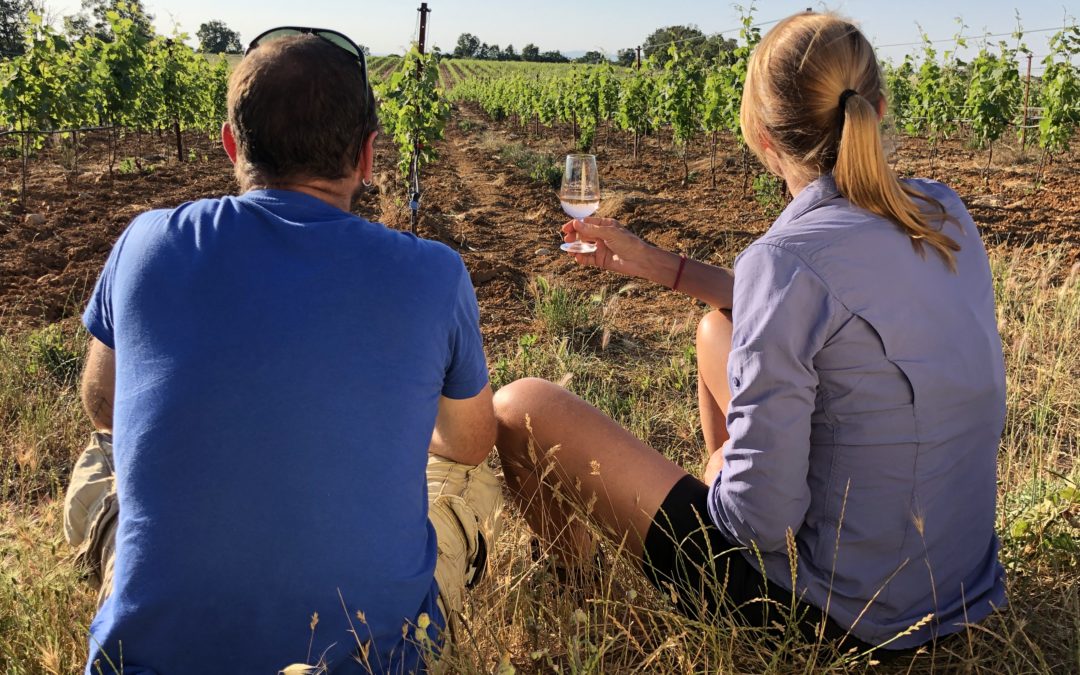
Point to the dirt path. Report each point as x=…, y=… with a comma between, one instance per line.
x=504, y=223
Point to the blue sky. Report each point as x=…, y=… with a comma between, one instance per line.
x=607, y=25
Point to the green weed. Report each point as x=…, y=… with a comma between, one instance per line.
x=769, y=194
x=540, y=167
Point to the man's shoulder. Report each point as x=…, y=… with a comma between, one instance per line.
x=430, y=258
x=193, y=211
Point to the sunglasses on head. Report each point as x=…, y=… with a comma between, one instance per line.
x=335, y=38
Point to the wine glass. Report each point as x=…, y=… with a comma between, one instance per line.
x=580, y=195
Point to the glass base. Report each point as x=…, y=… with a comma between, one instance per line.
x=579, y=247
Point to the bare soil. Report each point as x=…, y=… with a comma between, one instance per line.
x=503, y=222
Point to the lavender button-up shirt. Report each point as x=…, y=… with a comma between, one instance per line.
x=868, y=401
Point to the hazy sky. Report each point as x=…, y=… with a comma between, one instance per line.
x=606, y=25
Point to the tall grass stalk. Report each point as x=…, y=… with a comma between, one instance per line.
x=521, y=618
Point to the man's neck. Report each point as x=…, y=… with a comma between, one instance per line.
x=334, y=193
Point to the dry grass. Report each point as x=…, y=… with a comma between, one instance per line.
x=521, y=619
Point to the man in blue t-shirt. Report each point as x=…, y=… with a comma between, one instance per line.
x=271, y=378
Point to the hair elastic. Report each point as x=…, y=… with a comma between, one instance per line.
x=848, y=93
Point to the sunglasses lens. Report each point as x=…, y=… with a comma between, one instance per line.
x=340, y=41
x=270, y=36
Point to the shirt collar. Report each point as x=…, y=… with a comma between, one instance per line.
x=821, y=190
x=291, y=199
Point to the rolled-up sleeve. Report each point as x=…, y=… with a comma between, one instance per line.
x=783, y=313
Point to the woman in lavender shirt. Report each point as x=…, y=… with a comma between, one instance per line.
x=851, y=387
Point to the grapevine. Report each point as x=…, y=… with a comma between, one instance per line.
x=413, y=111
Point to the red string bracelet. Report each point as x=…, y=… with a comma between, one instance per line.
x=678, y=275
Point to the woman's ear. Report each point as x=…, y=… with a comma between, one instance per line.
x=228, y=141
x=882, y=106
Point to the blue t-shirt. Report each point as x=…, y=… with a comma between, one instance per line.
x=279, y=364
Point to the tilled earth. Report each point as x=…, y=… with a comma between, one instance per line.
x=504, y=222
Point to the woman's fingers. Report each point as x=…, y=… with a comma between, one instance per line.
x=596, y=228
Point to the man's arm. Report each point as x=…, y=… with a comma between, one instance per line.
x=465, y=428
x=99, y=385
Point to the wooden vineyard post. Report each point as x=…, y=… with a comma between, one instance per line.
x=424, y=11
x=1027, y=93
x=414, y=169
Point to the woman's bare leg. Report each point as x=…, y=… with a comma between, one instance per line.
x=714, y=394
x=598, y=468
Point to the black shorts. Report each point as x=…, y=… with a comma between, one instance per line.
x=687, y=558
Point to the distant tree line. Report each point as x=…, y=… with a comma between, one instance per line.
x=470, y=47
x=688, y=38
x=92, y=20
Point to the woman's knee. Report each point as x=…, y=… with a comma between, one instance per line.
x=714, y=330
x=526, y=398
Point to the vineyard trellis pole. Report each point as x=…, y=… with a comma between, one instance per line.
x=1027, y=94
x=414, y=163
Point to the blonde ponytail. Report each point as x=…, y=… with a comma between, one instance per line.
x=865, y=178
x=812, y=95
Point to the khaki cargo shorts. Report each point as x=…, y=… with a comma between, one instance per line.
x=464, y=506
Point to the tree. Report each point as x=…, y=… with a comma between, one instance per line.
x=530, y=52
x=553, y=57
x=508, y=54
x=77, y=27
x=489, y=52
x=93, y=20
x=689, y=39
x=626, y=57
x=593, y=57
x=217, y=38
x=467, y=46
x=13, y=22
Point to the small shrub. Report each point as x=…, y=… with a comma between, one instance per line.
x=548, y=174
x=1046, y=524
x=53, y=354
x=128, y=165
x=769, y=194
x=540, y=167
x=560, y=310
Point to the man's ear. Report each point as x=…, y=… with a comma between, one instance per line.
x=228, y=141
x=367, y=158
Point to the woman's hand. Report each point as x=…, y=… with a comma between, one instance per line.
x=620, y=250
x=617, y=248
x=714, y=466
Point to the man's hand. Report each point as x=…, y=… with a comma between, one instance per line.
x=99, y=385
x=465, y=428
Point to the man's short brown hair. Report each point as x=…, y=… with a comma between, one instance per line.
x=298, y=108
